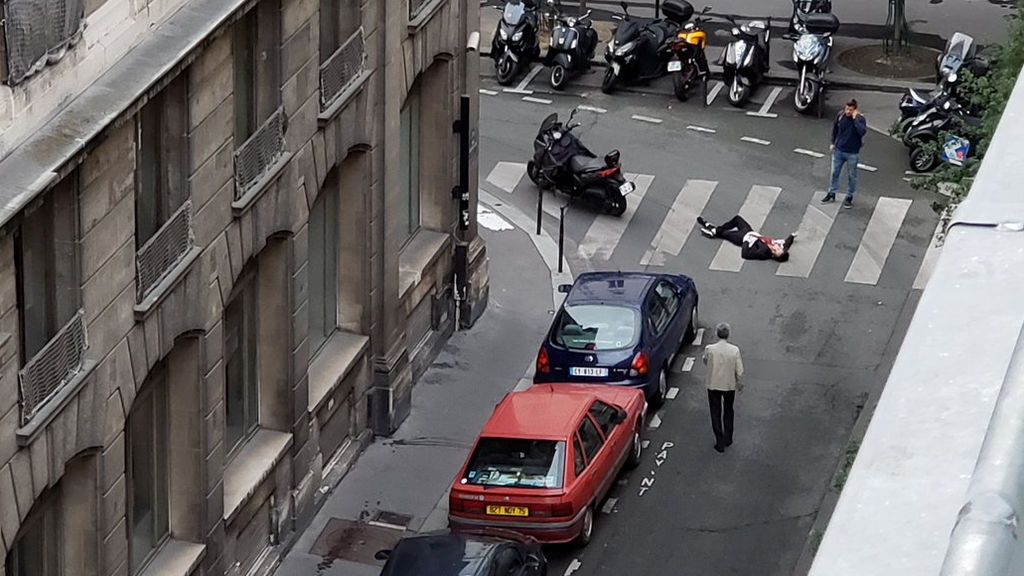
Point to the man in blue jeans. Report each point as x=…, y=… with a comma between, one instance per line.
x=847, y=137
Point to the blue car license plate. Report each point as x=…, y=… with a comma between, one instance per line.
x=586, y=371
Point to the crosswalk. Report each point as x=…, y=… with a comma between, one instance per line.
x=604, y=233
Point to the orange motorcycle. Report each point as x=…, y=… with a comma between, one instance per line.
x=688, y=63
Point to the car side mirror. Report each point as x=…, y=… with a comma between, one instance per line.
x=382, y=555
x=564, y=288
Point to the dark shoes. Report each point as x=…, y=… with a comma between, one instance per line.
x=848, y=203
x=828, y=199
x=720, y=449
x=706, y=228
x=787, y=243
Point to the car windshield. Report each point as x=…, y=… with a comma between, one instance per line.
x=513, y=13
x=597, y=327
x=516, y=463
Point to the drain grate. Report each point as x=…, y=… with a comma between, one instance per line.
x=354, y=541
x=392, y=520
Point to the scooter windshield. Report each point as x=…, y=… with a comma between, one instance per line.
x=513, y=13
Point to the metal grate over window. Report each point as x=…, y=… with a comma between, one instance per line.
x=342, y=69
x=164, y=250
x=52, y=368
x=259, y=153
x=39, y=32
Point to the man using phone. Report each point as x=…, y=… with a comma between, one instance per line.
x=847, y=138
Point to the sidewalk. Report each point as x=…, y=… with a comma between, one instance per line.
x=781, y=51
x=404, y=479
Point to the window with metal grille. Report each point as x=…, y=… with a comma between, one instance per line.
x=37, y=33
x=342, y=68
x=339, y=20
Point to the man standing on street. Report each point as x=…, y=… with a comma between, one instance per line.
x=847, y=137
x=723, y=378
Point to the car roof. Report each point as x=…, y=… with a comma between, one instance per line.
x=542, y=411
x=603, y=287
x=441, y=554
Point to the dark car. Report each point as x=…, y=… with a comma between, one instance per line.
x=488, y=552
x=619, y=328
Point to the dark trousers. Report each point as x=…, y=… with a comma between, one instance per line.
x=734, y=230
x=720, y=402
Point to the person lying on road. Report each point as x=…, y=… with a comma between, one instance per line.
x=753, y=245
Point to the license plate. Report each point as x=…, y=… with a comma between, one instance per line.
x=615, y=68
x=508, y=511
x=675, y=66
x=585, y=371
x=626, y=188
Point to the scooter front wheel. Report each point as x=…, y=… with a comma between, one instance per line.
x=609, y=81
x=559, y=75
x=922, y=159
x=738, y=93
x=804, y=97
x=506, y=69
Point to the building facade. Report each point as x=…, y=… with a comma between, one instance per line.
x=233, y=234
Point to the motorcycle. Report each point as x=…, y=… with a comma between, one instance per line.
x=811, y=53
x=515, y=43
x=746, y=59
x=640, y=53
x=572, y=46
x=922, y=133
x=801, y=10
x=689, y=63
x=961, y=52
x=561, y=162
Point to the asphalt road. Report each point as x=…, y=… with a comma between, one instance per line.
x=817, y=335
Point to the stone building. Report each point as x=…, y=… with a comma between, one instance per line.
x=229, y=244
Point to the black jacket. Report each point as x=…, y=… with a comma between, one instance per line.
x=756, y=251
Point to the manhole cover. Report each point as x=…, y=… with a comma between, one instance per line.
x=354, y=541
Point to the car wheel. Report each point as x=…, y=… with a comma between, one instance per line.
x=587, y=530
x=636, y=449
x=659, y=394
x=691, y=328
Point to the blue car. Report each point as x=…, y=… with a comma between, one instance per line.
x=619, y=328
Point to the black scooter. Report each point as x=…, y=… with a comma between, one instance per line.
x=923, y=132
x=745, y=60
x=641, y=53
x=561, y=162
x=572, y=46
x=515, y=41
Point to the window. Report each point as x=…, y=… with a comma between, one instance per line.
x=339, y=19
x=516, y=463
x=36, y=552
x=241, y=395
x=146, y=461
x=579, y=462
x=657, y=316
x=323, y=266
x=590, y=438
x=161, y=160
x=410, y=161
x=669, y=298
x=605, y=416
x=256, y=50
x=46, y=259
x=596, y=327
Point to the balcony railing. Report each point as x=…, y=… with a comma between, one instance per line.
x=260, y=152
x=164, y=250
x=342, y=69
x=52, y=367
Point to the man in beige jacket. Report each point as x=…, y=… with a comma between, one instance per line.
x=723, y=379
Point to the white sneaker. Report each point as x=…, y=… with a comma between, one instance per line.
x=710, y=233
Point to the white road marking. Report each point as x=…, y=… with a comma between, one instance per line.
x=649, y=119
x=553, y=204
x=490, y=220
x=688, y=364
x=536, y=100
x=763, y=112
x=714, y=92
x=866, y=167
x=655, y=422
x=701, y=129
x=878, y=239
x=645, y=444
x=594, y=109
x=516, y=91
x=609, y=505
x=754, y=210
x=506, y=175
x=529, y=77
x=756, y=140
x=699, y=337
x=573, y=566
x=488, y=92
x=672, y=393
x=810, y=238
x=679, y=222
x=810, y=153
x=605, y=231
x=928, y=262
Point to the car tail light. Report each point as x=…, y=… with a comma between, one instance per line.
x=640, y=364
x=562, y=509
x=608, y=172
x=459, y=502
x=543, y=363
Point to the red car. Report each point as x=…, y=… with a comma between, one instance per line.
x=546, y=459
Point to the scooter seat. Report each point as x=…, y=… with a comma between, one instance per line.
x=585, y=164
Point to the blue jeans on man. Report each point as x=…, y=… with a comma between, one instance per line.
x=840, y=159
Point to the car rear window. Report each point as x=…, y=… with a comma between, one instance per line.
x=596, y=327
x=516, y=463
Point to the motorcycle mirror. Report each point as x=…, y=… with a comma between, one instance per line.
x=625, y=7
